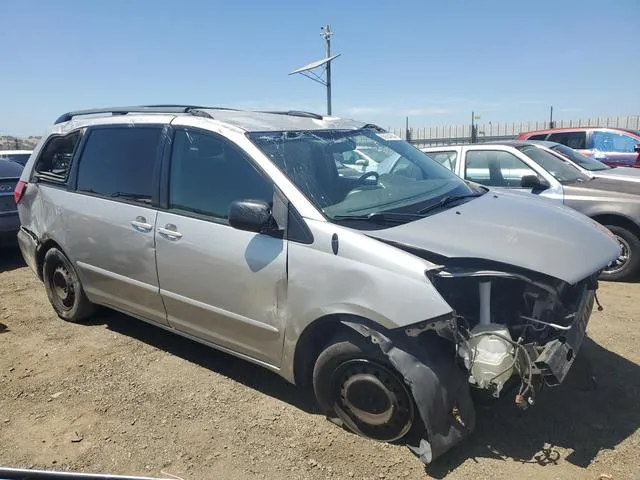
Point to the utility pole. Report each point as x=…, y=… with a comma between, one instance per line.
x=326, y=34
x=473, y=128
x=308, y=72
x=551, y=117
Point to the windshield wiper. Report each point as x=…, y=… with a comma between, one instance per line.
x=447, y=200
x=381, y=217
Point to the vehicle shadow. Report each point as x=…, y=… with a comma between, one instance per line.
x=10, y=258
x=249, y=374
x=581, y=415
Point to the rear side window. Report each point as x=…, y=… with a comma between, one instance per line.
x=55, y=160
x=118, y=162
x=446, y=158
x=540, y=136
x=495, y=168
x=577, y=140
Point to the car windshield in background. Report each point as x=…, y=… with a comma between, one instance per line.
x=21, y=158
x=405, y=181
x=561, y=171
x=582, y=160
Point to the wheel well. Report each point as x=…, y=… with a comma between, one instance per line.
x=42, y=251
x=618, y=221
x=312, y=341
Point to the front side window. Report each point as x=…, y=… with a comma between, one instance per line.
x=208, y=173
x=55, y=160
x=613, y=142
x=397, y=178
x=576, y=157
x=118, y=162
x=560, y=170
x=496, y=168
x=577, y=140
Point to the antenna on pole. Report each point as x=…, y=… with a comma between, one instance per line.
x=326, y=34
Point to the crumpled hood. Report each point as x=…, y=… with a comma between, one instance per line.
x=519, y=230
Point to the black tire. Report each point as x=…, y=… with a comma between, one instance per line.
x=628, y=264
x=64, y=289
x=352, y=372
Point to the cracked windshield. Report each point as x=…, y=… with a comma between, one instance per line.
x=354, y=173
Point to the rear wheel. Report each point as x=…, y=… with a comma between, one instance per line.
x=628, y=263
x=352, y=380
x=64, y=289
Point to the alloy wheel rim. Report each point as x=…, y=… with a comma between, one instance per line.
x=619, y=263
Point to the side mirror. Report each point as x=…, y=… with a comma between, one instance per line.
x=362, y=162
x=637, y=148
x=534, y=182
x=252, y=216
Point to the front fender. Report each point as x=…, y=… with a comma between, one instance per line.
x=364, y=278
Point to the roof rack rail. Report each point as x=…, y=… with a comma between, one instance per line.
x=296, y=113
x=136, y=109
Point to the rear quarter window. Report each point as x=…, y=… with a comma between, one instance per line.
x=54, y=162
x=539, y=136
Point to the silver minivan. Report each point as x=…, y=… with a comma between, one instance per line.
x=392, y=294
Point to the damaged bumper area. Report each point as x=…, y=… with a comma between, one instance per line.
x=508, y=332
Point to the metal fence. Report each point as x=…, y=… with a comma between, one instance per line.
x=457, y=134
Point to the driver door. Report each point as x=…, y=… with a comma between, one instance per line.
x=220, y=284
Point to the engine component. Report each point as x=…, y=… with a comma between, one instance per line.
x=489, y=356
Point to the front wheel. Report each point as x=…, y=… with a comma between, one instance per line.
x=627, y=264
x=64, y=289
x=353, y=381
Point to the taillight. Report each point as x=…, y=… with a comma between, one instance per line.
x=19, y=191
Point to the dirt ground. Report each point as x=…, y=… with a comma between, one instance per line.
x=120, y=396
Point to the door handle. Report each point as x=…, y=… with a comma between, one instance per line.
x=170, y=231
x=140, y=223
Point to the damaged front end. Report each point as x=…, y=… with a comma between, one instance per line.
x=511, y=330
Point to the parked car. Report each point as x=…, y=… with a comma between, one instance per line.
x=589, y=166
x=234, y=228
x=525, y=167
x=9, y=222
x=18, y=156
x=613, y=146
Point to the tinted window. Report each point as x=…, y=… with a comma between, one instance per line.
x=576, y=140
x=495, y=168
x=613, y=142
x=118, y=162
x=540, y=136
x=55, y=159
x=208, y=173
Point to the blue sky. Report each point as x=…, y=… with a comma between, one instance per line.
x=434, y=61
